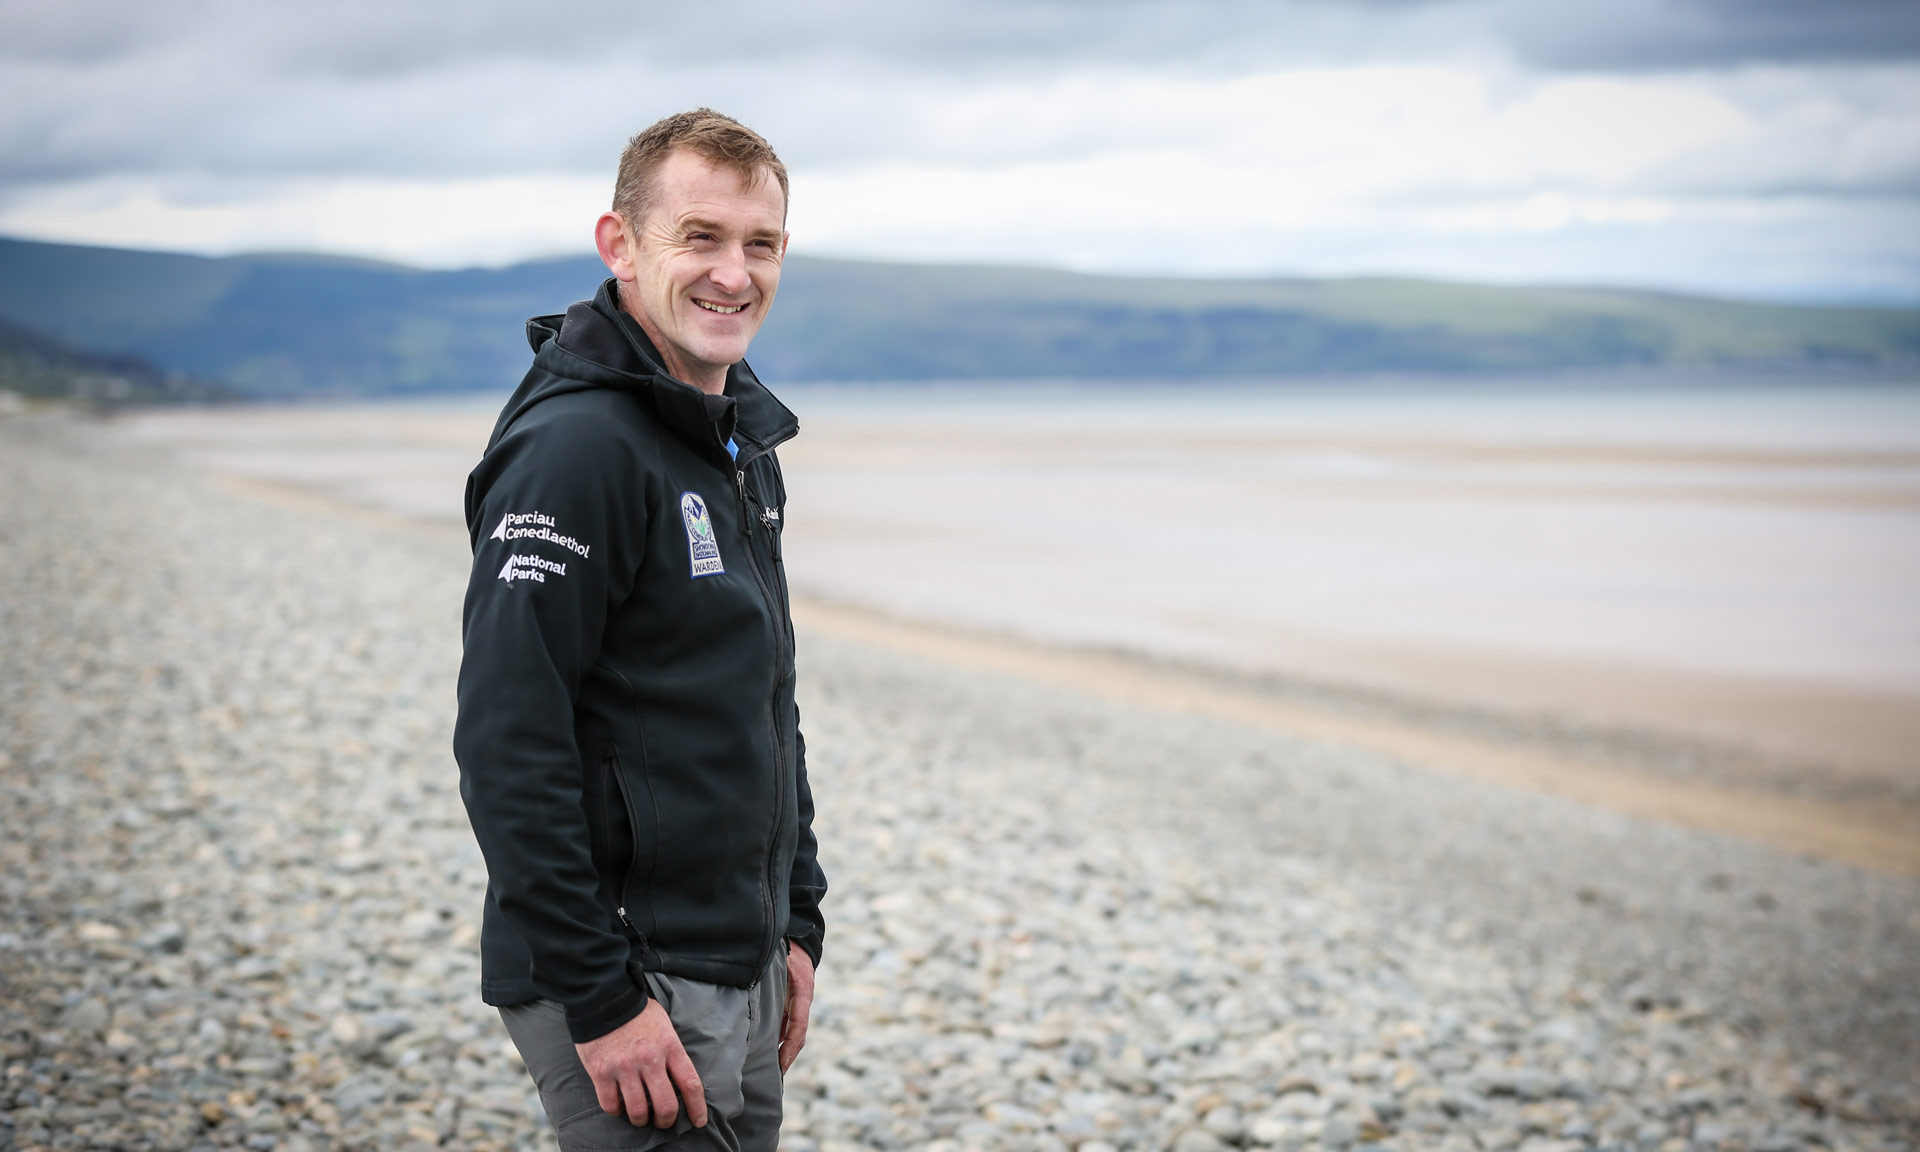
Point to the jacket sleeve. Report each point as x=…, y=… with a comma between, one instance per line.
x=557, y=517
x=805, y=926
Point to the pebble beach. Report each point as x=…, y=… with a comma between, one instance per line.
x=239, y=901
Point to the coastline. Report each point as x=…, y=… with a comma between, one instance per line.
x=1865, y=819
x=1811, y=768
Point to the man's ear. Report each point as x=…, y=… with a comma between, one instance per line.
x=616, y=243
x=785, y=239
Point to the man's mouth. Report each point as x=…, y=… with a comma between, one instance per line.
x=723, y=309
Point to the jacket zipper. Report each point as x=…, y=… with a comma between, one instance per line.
x=773, y=718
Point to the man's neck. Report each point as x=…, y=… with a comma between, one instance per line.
x=712, y=381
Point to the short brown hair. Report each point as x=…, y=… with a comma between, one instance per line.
x=720, y=140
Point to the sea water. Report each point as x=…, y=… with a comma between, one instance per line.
x=1743, y=544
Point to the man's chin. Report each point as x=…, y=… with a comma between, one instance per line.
x=724, y=352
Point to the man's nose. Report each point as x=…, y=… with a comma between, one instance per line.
x=729, y=272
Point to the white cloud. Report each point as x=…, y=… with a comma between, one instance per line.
x=1390, y=169
x=444, y=223
x=1262, y=145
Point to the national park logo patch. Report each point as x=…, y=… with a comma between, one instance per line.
x=702, y=549
x=536, y=526
x=534, y=568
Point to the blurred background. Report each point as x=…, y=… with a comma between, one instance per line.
x=1355, y=560
x=1538, y=360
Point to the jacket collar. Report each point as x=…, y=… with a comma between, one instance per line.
x=599, y=344
x=746, y=412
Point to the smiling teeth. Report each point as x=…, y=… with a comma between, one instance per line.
x=723, y=309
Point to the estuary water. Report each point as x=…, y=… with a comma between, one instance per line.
x=1739, y=560
x=1736, y=560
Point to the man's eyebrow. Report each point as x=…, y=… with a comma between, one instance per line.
x=702, y=224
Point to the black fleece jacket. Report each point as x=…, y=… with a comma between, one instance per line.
x=629, y=748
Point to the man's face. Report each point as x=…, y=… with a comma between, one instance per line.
x=706, y=263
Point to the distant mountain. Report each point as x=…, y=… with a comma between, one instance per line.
x=838, y=319
x=275, y=325
x=36, y=364
x=304, y=325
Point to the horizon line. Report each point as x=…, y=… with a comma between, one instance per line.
x=1893, y=303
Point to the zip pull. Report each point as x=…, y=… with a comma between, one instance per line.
x=746, y=513
x=771, y=518
x=637, y=934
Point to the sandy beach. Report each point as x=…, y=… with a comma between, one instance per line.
x=1085, y=896
x=1691, y=605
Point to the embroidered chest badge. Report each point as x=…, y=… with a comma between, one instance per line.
x=702, y=549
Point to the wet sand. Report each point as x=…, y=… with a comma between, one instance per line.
x=1749, y=594
x=1681, y=616
x=1871, y=830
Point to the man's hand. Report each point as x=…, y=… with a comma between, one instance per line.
x=793, y=1029
x=644, y=1060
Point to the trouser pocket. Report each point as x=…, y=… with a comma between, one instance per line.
x=539, y=1031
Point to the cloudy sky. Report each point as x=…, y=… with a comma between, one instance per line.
x=1755, y=147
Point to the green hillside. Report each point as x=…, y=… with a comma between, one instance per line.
x=862, y=320
x=307, y=325
x=35, y=364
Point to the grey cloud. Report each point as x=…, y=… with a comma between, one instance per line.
x=1653, y=35
x=365, y=38
x=227, y=88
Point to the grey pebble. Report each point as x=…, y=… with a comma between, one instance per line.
x=237, y=882
x=1197, y=1140
x=88, y=1017
x=1340, y=1132
x=168, y=938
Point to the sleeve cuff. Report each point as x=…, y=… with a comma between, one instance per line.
x=807, y=938
x=591, y=1021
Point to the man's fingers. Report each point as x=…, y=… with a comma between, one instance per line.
x=609, y=1095
x=607, y=1090
x=666, y=1109
x=793, y=1031
x=793, y=1026
x=791, y=1042
x=687, y=1079
x=628, y=1097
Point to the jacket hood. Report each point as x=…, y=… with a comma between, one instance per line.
x=596, y=344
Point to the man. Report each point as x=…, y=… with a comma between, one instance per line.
x=629, y=749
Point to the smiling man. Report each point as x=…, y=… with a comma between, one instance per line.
x=629, y=749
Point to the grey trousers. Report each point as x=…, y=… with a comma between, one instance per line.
x=732, y=1036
